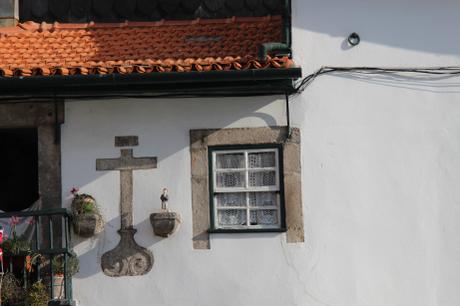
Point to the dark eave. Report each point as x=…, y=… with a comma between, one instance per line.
x=82, y=11
x=165, y=84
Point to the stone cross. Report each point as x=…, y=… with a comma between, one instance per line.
x=128, y=258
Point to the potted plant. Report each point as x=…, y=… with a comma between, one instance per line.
x=87, y=220
x=58, y=264
x=37, y=295
x=11, y=290
x=15, y=252
x=14, y=244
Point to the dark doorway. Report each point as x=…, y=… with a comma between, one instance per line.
x=19, y=168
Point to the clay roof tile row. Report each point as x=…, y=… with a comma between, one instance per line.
x=138, y=47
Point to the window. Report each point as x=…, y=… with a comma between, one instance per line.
x=288, y=200
x=19, y=175
x=246, y=191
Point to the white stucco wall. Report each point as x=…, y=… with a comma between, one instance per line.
x=380, y=161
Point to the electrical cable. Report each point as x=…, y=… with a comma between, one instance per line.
x=299, y=87
x=449, y=71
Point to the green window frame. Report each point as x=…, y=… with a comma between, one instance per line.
x=250, y=214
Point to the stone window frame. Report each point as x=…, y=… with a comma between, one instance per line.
x=46, y=117
x=201, y=139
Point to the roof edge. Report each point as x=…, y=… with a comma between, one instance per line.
x=227, y=83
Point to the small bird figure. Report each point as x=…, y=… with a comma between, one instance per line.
x=164, y=199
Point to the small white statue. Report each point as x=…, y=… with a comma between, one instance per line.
x=164, y=199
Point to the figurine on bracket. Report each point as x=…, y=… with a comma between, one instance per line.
x=164, y=223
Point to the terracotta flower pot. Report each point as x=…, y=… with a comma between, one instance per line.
x=88, y=225
x=58, y=287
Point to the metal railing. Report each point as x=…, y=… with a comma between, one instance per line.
x=50, y=239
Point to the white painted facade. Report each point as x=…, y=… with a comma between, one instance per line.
x=380, y=169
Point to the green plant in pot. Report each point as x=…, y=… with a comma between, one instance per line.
x=87, y=220
x=58, y=264
x=14, y=244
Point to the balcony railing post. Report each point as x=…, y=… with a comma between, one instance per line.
x=37, y=241
x=24, y=274
x=51, y=276
x=65, y=274
x=50, y=231
x=66, y=231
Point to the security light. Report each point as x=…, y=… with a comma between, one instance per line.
x=354, y=39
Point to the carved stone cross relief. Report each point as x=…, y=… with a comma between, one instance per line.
x=127, y=258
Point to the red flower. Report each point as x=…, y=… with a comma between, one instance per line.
x=28, y=263
x=74, y=190
x=14, y=220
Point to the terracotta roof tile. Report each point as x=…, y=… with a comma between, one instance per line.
x=138, y=47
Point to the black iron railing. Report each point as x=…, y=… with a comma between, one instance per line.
x=49, y=239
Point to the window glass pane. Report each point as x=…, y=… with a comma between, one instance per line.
x=264, y=217
x=263, y=199
x=231, y=199
x=226, y=217
x=262, y=178
x=261, y=160
x=230, y=179
x=230, y=161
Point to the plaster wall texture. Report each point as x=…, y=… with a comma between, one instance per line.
x=380, y=169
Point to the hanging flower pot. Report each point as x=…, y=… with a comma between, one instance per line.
x=58, y=287
x=58, y=263
x=88, y=225
x=87, y=220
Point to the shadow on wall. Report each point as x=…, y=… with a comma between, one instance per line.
x=198, y=114
x=420, y=25
x=108, y=240
x=83, y=150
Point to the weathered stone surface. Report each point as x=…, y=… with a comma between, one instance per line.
x=126, y=162
x=293, y=207
x=164, y=223
x=200, y=139
x=199, y=142
x=128, y=258
x=49, y=166
x=295, y=136
x=199, y=162
x=9, y=13
x=200, y=210
x=126, y=141
x=21, y=115
x=291, y=157
x=10, y=22
x=87, y=225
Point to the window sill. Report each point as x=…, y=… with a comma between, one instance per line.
x=240, y=231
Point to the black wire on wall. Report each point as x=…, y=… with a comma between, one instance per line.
x=432, y=73
x=429, y=71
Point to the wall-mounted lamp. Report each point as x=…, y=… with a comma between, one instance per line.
x=353, y=39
